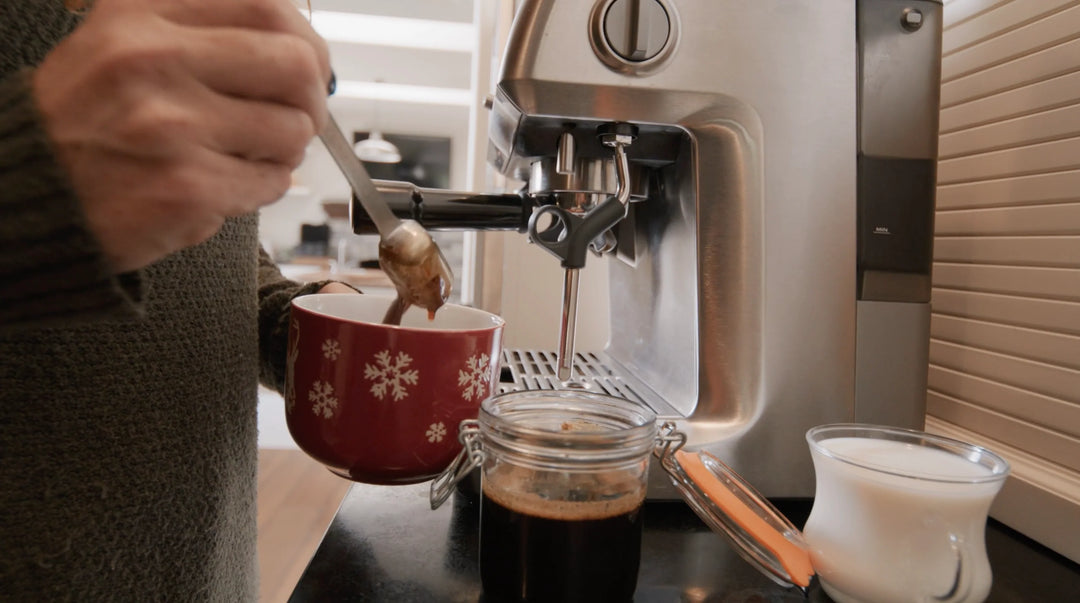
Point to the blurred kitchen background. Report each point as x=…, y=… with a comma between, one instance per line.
x=410, y=73
x=1005, y=336
x=417, y=73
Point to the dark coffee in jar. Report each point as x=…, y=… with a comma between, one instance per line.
x=563, y=481
x=534, y=549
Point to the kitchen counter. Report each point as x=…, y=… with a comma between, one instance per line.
x=386, y=544
x=309, y=270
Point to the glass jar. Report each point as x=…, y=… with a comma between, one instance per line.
x=563, y=482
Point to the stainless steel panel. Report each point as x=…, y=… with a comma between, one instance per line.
x=891, y=359
x=900, y=74
x=733, y=306
x=738, y=309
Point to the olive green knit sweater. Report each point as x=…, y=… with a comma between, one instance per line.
x=127, y=403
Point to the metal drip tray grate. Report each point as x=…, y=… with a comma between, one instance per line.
x=533, y=370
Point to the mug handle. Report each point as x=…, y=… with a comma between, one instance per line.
x=959, y=589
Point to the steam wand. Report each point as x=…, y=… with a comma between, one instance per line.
x=569, y=236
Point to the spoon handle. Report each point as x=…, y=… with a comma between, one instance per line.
x=342, y=152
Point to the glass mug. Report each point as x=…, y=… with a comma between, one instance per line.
x=900, y=515
x=563, y=482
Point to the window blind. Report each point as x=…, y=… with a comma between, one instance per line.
x=1005, y=329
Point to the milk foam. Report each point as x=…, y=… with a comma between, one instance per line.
x=904, y=458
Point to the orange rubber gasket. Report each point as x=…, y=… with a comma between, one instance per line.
x=794, y=558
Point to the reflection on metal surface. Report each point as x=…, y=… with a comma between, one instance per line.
x=733, y=305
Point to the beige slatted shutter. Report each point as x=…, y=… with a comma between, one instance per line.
x=1005, y=330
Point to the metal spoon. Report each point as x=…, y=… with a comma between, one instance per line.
x=407, y=253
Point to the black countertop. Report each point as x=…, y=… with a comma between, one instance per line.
x=386, y=544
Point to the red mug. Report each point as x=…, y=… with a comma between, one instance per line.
x=378, y=403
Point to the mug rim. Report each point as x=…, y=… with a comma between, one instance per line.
x=306, y=302
x=979, y=455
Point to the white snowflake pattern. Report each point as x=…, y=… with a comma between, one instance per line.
x=389, y=375
x=436, y=432
x=474, y=379
x=323, y=399
x=290, y=374
x=331, y=349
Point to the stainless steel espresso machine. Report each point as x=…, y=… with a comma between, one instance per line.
x=764, y=174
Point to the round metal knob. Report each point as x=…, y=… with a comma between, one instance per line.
x=637, y=30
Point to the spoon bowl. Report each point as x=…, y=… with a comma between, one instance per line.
x=416, y=265
x=407, y=253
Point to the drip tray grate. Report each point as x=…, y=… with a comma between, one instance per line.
x=537, y=370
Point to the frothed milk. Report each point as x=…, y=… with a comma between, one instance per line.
x=899, y=521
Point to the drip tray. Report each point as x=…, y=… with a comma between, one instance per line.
x=594, y=372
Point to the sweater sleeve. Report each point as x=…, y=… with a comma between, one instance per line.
x=52, y=268
x=275, y=298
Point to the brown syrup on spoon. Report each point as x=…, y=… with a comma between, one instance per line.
x=407, y=253
x=422, y=281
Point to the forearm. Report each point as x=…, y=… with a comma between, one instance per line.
x=275, y=297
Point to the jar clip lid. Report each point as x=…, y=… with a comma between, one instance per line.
x=731, y=507
x=470, y=457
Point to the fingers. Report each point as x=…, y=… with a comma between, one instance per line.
x=255, y=94
x=202, y=188
x=170, y=127
x=208, y=187
x=263, y=66
x=259, y=49
x=167, y=205
x=171, y=115
x=237, y=186
x=267, y=15
x=259, y=131
x=194, y=117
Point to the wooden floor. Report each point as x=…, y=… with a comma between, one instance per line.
x=297, y=500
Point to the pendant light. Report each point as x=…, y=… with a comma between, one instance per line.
x=375, y=148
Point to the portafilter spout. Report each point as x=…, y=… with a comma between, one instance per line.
x=569, y=235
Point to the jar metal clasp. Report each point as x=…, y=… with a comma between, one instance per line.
x=470, y=457
x=668, y=441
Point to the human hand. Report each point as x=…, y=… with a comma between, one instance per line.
x=171, y=115
x=335, y=287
